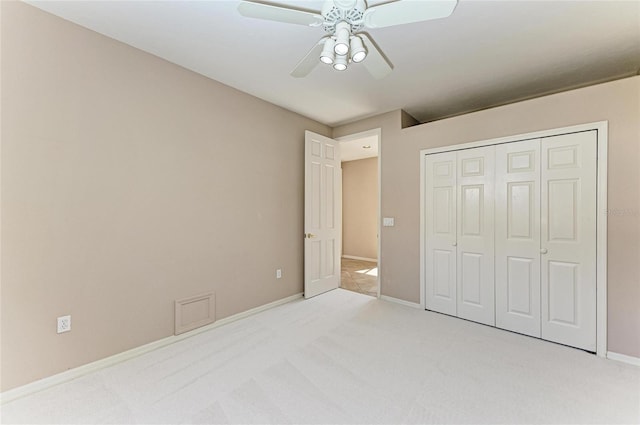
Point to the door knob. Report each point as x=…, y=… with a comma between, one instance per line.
x=543, y=251
x=309, y=235
x=454, y=244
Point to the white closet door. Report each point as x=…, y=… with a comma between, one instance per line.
x=518, y=237
x=440, y=252
x=475, y=256
x=569, y=239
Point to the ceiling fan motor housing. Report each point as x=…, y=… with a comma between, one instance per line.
x=350, y=11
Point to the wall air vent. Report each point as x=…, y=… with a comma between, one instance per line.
x=194, y=312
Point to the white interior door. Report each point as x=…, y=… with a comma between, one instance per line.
x=475, y=241
x=440, y=241
x=569, y=239
x=518, y=237
x=322, y=214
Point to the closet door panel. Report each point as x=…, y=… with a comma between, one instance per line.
x=518, y=237
x=440, y=237
x=569, y=239
x=475, y=242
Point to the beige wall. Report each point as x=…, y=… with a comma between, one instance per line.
x=129, y=182
x=618, y=102
x=360, y=208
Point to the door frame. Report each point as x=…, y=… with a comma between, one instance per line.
x=601, y=128
x=378, y=133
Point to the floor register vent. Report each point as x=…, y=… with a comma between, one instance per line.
x=194, y=312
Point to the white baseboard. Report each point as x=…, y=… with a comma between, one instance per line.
x=353, y=257
x=623, y=358
x=399, y=301
x=79, y=371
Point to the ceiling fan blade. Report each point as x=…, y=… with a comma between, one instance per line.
x=304, y=67
x=375, y=62
x=407, y=11
x=279, y=14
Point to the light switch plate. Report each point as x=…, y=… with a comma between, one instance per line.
x=388, y=221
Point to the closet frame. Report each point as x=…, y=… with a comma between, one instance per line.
x=601, y=128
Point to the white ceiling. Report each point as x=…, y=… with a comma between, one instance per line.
x=351, y=150
x=487, y=53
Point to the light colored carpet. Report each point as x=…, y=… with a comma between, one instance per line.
x=344, y=357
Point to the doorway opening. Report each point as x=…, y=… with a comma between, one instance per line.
x=360, y=161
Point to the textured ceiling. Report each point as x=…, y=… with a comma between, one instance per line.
x=486, y=54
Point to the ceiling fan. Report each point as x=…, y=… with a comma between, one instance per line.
x=344, y=22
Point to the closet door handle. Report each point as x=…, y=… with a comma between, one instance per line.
x=454, y=244
x=543, y=251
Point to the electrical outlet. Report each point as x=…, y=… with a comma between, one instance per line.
x=278, y=273
x=64, y=324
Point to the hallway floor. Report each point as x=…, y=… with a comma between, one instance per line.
x=360, y=276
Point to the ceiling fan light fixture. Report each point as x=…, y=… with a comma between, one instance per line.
x=343, y=32
x=328, y=55
x=358, y=51
x=340, y=63
x=346, y=23
x=342, y=49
